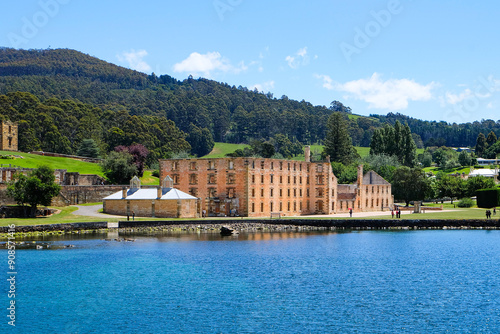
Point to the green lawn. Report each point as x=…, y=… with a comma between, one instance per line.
x=435, y=170
x=34, y=161
x=149, y=180
x=221, y=149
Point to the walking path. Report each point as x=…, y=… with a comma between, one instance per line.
x=92, y=211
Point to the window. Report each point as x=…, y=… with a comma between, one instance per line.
x=307, y=192
x=300, y=179
x=288, y=179
x=372, y=202
x=231, y=164
x=281, y=179
x=294, y=166
x=300, y=192
x=272, y=206
x=231, y=178
x=193, y=179
x=319, y=179
x=272, y=192
x=307, y=179
x=193, y=192
x=262, y=192
x=261, y=207
x=288, y=192
x=288, y=206
x=211, y=164
x=253, y=192
x=281, y=206
x=262, y=164
x=288, y=166
x=300, y=206
x=300, y=167
x=192, y=165
x=333, y=192
x=212, y=179
x=175, y=165
x=272, y=178
x=294, y=206
x=272, y=167
x=281, y=192
x=253, y=207
x=294, y=192
x=319, y=192
x=212, y=192
x=262, y=179
x=253, y=178
x=319, y=168
x=294, y=180
x=281, y=166
x=333, y=206
x=175, y=178
x=230, y=193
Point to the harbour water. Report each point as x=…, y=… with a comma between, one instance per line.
x=445, y=281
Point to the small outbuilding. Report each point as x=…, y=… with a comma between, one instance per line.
x=159, y=202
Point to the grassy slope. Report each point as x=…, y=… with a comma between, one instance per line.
x=34, y=161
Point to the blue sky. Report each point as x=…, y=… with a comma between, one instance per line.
x=433, y=60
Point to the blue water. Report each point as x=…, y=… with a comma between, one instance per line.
x=359, y=282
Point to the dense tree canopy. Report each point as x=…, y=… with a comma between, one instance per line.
x=395, y=141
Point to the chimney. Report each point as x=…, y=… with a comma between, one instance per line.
x=124, y=193
x=159, y=192
x=360, y=175
x=307, y=153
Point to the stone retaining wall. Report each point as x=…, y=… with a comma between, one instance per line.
x=347, y=224
x=337, y=223
x=57, y=227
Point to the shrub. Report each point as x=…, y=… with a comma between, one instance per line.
x=488, y=198
x=465, y=203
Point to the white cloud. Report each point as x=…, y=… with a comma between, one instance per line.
x=327, y=81
x=264, y=87
x=457, y=98
x=299, y=58
x=392, y=94
x=134, y=60
x=208, y=63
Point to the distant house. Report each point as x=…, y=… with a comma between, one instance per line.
x=161, y=202
x=487, y=162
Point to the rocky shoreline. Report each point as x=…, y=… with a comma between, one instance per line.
x=248, y=226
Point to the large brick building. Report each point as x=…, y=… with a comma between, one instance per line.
x=258, y=187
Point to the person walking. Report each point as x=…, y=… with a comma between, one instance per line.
x=350, y=212
x=133, y=215
x=392, y=213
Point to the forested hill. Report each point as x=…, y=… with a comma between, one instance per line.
x=229, y=113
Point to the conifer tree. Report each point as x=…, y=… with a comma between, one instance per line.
x=480, y=144
x=338, y=143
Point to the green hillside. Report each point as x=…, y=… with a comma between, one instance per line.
x=27, y=160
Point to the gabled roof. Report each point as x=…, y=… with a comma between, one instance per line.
x=483, y=172
x=151, y=193
x=373, y=178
